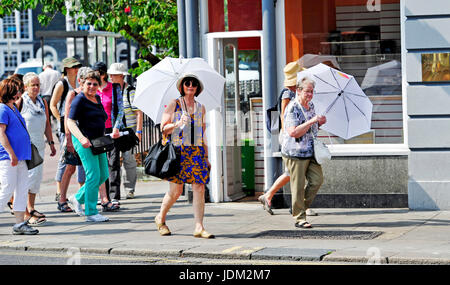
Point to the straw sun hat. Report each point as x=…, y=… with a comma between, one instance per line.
x=290, y=73
x=190, y=75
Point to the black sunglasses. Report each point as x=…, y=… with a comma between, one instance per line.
x=191, y=83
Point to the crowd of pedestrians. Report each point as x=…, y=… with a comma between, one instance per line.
x=84, y=103
x=90, y=103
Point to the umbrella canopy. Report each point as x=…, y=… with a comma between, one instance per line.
x=338, y=96
x=383, y=79
x=156, y=87
x=309, y=60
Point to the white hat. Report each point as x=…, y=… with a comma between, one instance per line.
x=186, y=75
x=118, y=68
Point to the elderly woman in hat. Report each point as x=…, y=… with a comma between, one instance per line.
x=57, y=106
x=301, y=125
x=184, y=120
x=111, y=98
x=134, y=120
x=287, y=94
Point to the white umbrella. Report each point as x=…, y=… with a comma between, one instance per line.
x=338, y=96
x=383, y=79
x=156, y=87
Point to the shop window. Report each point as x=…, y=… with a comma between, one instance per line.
x=360, y=41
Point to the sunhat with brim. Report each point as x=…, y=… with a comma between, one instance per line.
x=117, y=68
x=290, y=73
x=189, y=75
x=70, y=62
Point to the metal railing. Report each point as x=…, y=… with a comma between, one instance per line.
x=150, y=135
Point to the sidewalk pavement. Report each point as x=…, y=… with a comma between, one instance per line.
x=243, y=230
x=407, y=237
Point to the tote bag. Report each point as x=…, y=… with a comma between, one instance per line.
x=162, y=161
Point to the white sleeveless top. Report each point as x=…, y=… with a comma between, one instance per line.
x=36, y=119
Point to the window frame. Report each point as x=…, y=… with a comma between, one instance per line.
x=18, y=25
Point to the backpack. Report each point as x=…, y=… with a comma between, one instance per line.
x=129, y=89
x=65, y=91
x=273, y=122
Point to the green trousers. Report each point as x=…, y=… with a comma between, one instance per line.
x=301, y=196
x=96, y=168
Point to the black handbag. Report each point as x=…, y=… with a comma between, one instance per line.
x=36, y=158
x=162, y=161
x=126, y=142
x=102, y=144
x=71, y=158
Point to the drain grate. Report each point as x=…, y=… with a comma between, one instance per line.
x=314, y=234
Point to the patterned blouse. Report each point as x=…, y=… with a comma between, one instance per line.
x=302, y=147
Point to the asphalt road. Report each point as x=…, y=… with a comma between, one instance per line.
x=75, y=257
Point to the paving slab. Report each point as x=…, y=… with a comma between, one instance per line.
x=300, y=254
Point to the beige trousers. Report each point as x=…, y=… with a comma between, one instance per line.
x=302, y=197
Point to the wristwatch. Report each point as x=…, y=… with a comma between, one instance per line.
x=51, y=142
x=138, y=132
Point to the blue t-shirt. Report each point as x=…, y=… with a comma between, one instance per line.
x=91, y=116
x=17, y=134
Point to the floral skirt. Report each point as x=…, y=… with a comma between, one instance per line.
x=194, y=169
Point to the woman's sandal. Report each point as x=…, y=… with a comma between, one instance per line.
x=39, y=221
x=10, y=206
x=303, y=225
x=37, y=214
x=265, y=203
x=112, y=208
x=163, y=229
x=64, y=207
x=203, y=234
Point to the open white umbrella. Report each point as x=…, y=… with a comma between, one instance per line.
x=383, y=79
x=156, y=87
x=338, y=96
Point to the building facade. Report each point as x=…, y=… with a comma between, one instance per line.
x=378, y=42
x=18, y=42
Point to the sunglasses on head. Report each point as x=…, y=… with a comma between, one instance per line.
x=191, y=83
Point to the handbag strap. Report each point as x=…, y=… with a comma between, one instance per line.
x=310, y=129
x=306, y=119
x=187, y=113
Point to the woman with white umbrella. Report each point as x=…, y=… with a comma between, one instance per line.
x=184, y=120
x=300, y=126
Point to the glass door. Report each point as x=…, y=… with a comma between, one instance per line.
x=232, y=121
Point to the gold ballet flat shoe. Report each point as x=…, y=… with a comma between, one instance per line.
x=203, y=234
x=162, y=228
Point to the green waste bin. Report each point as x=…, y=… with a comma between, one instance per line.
x=248, y=166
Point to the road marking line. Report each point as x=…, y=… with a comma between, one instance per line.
x=248, y=251
x=229, y=250
x=12, y=242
